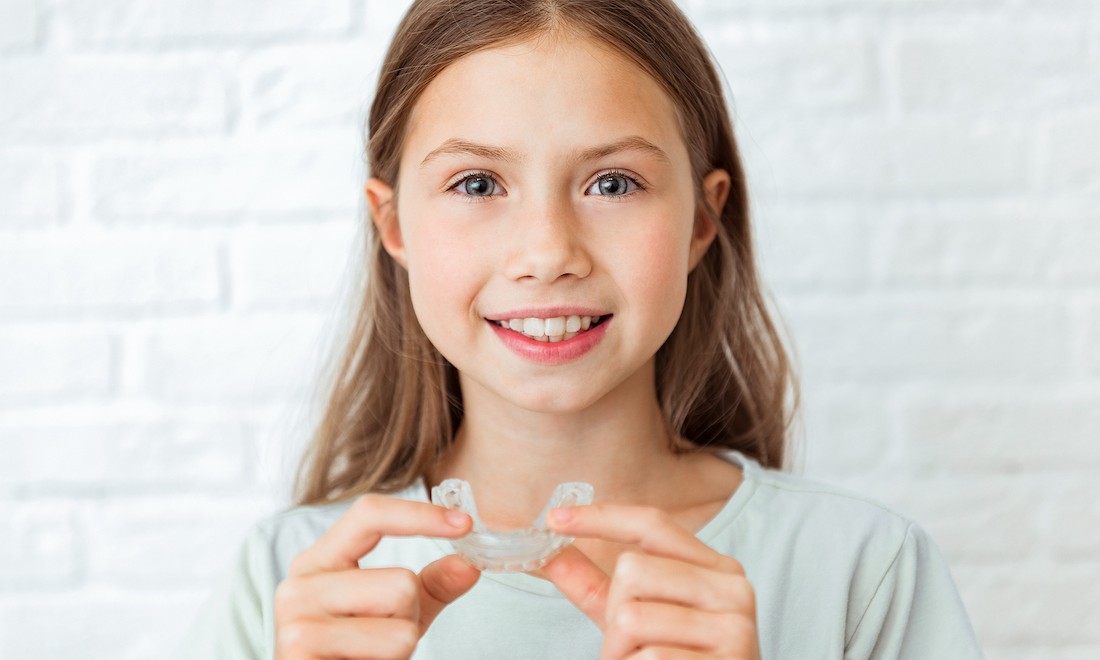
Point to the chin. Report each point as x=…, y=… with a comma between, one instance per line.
x=549, y=400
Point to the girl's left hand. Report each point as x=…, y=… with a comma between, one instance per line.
x=675, y=597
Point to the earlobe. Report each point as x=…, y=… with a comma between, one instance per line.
x=716, y=187
x=383, y=212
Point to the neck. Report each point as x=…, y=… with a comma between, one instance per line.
x=513, y=458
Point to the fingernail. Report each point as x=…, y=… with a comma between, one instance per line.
x=561, y=515
x=455, y=518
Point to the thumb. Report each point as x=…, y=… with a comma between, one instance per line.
x=441, y=583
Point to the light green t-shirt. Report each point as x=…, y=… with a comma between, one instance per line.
x=835, y=575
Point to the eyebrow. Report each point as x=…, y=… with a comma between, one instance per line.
x=458, y=146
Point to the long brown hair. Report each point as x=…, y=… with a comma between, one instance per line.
x=723, y=375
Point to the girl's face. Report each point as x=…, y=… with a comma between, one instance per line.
x=546, y=180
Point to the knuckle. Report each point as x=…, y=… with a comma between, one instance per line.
x=364, y=504
x=406, y=634
x=746, y=594
x=731, y=565
x=287, y=596
x=297, y=565
x=629, y=569
x=405, y=586
x=629, y=619
x=294, y=637
x=650, y=653
x=741, y=635
x=655, y=517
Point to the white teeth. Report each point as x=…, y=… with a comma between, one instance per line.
x=558, y=328
x=555, y=327
x=534, y=327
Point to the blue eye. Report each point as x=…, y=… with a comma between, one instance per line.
x=614, y=184
x=476, y=184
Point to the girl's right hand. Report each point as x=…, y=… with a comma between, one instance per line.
x=329, y=607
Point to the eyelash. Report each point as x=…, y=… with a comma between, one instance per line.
x=481, y=174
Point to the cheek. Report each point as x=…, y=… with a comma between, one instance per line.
x=657, y=263
x=443, y=276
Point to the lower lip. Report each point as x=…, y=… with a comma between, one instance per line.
x=545, y=352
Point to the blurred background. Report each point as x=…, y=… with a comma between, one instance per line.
x=180, y=215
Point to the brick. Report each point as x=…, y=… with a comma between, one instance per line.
x=18, y=23
x=1089, y=351
x=38, y=545
x=1071, y=143
x=1002, y=431
x=773, y=69
x=994, y=66
x=906, y=337
x=1033, y=605
x=846, y=431
x=271, y=357
x=88, y=99
x=31, y=187
x=948, y=245
x=306, y=87
x=61, y=455
x=987, y=521
x=1071, y=521
x=279, y=266
x=75, y=270
x=49, y=365
x=818, y=247
x=171, y=21
x=839, y=158
x=1076, y=237
x=230, y=183
x=98, y=623
x=165, y=542
x=1042, y=652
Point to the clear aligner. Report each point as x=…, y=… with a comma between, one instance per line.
x=518, y=550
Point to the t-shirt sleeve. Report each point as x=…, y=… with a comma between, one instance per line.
x=236, y=619
x=916, y=612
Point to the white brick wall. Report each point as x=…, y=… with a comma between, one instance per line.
x=179, y=196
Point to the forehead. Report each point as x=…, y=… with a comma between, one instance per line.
x=541, y=95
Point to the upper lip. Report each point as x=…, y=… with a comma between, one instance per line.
x=546, y=312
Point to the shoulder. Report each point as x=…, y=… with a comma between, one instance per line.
x=812, y=509
x=824, y=553
x=793, y=528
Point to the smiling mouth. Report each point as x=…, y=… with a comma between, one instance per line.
x=554, y=329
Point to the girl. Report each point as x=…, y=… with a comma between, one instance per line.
x=562, y=288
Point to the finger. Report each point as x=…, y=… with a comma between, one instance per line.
x=644, y=577
x=374, y=592
x=369, y=519
x=348, y=638
x=440, y=583
x=665, y=653
x=638, y=625
x=580, y=581
x=647, y=527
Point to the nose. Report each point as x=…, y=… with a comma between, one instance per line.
x=546, y=243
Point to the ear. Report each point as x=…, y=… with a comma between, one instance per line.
x=383, y=211
x=716, y=187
